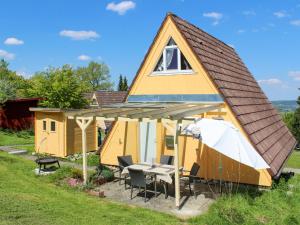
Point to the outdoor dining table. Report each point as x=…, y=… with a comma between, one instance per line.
x=160, y=172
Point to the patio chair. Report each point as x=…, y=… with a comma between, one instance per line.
x=124, y=161
x=191, y=178
x=166, y=159
x=139, y=179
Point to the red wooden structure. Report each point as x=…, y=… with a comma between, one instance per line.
x=15, y=114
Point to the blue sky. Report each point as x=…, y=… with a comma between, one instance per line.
x=36, y=34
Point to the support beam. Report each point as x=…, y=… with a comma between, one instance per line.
x=176, y=164
x=193, y=111
x=83, y=123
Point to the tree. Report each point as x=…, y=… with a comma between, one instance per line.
x=125, y=85
x=120, y=84
x=59, y=87
x=95, y=76
x=11, y=84
x=288, y=119
x=296, y=122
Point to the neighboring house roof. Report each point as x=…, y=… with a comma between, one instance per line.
x=107, y=97
x=241, y=92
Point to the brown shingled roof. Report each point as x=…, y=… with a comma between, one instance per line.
x=108, y=97
x=242, y=93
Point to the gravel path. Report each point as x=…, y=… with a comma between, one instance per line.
x=9, y=149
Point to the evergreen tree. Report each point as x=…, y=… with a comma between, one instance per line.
x=120, y=85
x=125, y=85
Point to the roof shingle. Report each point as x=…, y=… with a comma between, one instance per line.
x=257, y=116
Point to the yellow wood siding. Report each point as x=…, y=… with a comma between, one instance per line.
x=191, y=150
x=66, y=140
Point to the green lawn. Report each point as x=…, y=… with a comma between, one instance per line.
x=27, y=199
x=29, y=148
x=15, y=138
x=294, y=160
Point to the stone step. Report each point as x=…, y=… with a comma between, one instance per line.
x=17, y=152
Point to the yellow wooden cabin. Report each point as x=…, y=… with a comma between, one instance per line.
x=56, y=135
x=185, y=64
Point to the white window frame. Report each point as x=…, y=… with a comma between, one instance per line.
x=172, y=71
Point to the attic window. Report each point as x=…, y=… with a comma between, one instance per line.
x=94, y=101
x=172, y=61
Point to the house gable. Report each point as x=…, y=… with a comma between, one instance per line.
x=158, y=86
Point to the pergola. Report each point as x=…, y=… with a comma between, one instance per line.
x=170, y=114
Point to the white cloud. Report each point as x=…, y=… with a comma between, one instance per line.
x=122, y=7
x=215, y=16
x=249, y=13
x=280, y=14
x=84, y=58
x=79, y=35
x=295, y=22
x=13, y=41
x=271, y=81
x=240, y=31
x=295, y=75
x=6, y=55
x=231, y=45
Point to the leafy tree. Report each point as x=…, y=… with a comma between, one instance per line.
x=95, y=76
x=125, y=85
x=288, y=119
x=7, y=90
x=11, y=84
x=59, y=87
x=296, y=122
x=120, y=84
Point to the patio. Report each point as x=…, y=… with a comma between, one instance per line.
x=189, y=207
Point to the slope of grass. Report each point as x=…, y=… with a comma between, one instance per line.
x=281, y=205
x=294, y=160
x=15, y=138
x=27, y=199
x=29, y=148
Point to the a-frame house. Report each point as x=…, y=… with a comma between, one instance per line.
x=186, y=64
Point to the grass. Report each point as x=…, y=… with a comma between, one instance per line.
x=27, y=199
x=281, y=205
x=16, y=138
x=294, y=160
x=92, y=160
x=29, y=148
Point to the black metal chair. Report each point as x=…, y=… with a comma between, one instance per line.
x=192, y=177
x=139, y=179
x=124, y=161
x=167, y=159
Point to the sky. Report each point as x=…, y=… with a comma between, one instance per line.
x=37, y=34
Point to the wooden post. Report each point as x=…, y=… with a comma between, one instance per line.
x=176, y=164
x=83, y=123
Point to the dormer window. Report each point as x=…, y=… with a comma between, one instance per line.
x=172, y=61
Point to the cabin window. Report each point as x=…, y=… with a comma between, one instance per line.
x=172, y=60
x=44, y=125
x=53, y=126
x=170, y=141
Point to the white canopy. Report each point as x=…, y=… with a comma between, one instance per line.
x=225, y=138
